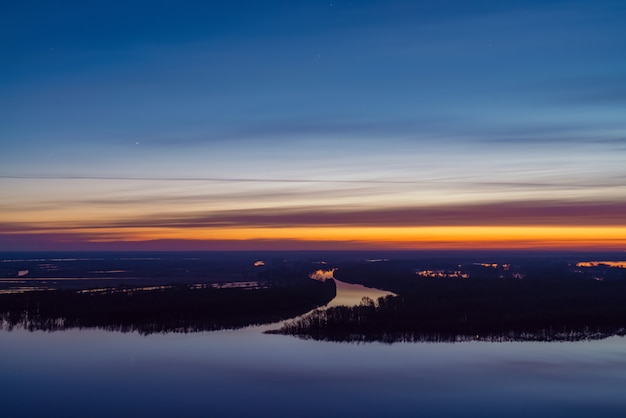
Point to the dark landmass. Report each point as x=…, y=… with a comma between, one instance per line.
x=278, y=294
x=177, y=309
x=441, y=296
x=536, y=299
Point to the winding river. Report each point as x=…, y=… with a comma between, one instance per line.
x=245, y=373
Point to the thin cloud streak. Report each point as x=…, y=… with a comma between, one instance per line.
x=514, y=213
x=218, y=179
x=79, y=242
x=308, y=180
x=281, y=130
x=530, y=213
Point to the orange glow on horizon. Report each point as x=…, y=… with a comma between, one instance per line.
x=439, y=237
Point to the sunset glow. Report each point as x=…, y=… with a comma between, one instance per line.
x=443, y=237
x=394, y=126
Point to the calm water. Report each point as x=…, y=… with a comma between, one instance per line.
x=246, y=373
x=351, y=294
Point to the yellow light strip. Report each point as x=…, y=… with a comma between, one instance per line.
x=397, y=237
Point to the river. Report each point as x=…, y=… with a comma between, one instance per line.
x=245, y=373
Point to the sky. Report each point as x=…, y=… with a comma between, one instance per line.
x=448, y=124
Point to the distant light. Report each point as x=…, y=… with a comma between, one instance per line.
x=322, y=275
x=618, y=264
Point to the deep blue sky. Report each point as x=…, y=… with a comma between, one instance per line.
x=418, y=102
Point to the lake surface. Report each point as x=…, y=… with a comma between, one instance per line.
x=245, y=373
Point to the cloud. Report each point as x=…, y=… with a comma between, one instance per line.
x=510, y=213
x=570, y=132
x=205, y=179
x=521, y=213
x=374, y=181
x=606, y=89
x=316, y=128
x=80, y=242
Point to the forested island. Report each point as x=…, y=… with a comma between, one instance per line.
x=532, y=300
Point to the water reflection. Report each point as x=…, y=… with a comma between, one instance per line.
x=352, y=294
x=244, y=373
x=247, y=374
x=348, y=294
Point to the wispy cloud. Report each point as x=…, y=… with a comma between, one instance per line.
x=510, y=213
x=532, y=213
x=212, y=179
x=607, y=89
x=290, y=129
x=460, y=182
x=80, y=242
